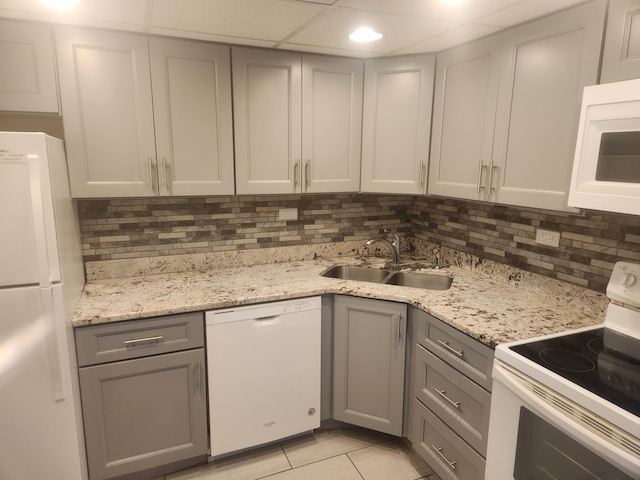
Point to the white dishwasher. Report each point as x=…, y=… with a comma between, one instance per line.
x=263, y=372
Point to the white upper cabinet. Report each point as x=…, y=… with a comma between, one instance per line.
x=396, y=124
x=297, y=122
x=621, y=58
x=507, y=108
x=331, y=123
x=107, y=112
x=28, y=80
x=193, y=119
x=267, y=120
x=464, y=109
x=108, y=115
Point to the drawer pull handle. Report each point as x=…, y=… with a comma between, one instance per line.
x=443, y=394
x=458, y=353
x=142, y=340
x=452, y=465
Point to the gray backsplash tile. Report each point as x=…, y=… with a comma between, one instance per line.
x=590, y=243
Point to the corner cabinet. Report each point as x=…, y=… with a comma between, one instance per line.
x=396, y=126
x=143, y=389
x=149, y=116
x=621, y=56
x=448, y=417
x=506, y=110
x=297, y=122
x=28, y=80
x=369, y=363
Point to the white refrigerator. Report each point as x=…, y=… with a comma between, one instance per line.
x=41, y=279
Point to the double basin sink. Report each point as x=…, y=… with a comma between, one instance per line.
x=387, y=277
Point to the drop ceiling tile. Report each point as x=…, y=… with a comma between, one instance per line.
x=118, y=14
x=328, y=51
x=451, y=38
x=210, y=37
x=460, y=10
x=526, y=10
x=258, y=19
x=332, y=30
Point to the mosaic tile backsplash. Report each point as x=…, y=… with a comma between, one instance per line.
x=590, y=243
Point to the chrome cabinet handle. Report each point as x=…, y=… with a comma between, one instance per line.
x=198, y=375
x=142, y=340
x=452, y=465
x=399, y=319
x=492, y=168
x=458, y=353
x=151, y=182
x=166, y=173
x=296, y=167
x=423, y=175
x=443, y=394
x=480, y=168
x=307, y=166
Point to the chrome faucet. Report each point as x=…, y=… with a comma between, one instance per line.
x=394, y=246
x=437, y=264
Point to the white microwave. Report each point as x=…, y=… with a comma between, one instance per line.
x=606, y=166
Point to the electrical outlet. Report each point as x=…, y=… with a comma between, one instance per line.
x=547, y=237
x=288, y=214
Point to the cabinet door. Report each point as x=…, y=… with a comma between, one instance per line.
x=368, y=363
x=546, y=65
x=193, y=121
x=267, y=120
x=332, y=120
x=621, y=56
x=105, y=91
x=28, y=80
x=396, y=124
x=143, y=413
x=464, y=109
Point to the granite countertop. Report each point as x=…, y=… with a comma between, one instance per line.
x=492, y=306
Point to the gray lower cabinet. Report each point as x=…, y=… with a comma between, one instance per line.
x=450, y=398
x=144, y=410
x=369, y=363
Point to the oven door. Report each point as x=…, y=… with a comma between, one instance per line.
x=536, y=434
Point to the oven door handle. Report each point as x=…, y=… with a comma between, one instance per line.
x=543, y=404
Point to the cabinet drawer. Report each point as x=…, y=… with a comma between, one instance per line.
x=139, y=338
x=455, y=399
x=462, y=352
x=446, y=453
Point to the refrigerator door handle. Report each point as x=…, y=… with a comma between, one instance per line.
x=53, y=350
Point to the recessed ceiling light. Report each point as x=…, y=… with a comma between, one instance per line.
x=365, y=35
x=60, y=4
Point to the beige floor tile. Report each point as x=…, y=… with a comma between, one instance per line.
x=389, y=460
x=335, y=468
x=244, y=466
x=325, y=444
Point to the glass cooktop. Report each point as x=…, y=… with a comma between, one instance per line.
x=603, y=361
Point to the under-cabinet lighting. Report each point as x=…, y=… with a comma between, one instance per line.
x=365, y=35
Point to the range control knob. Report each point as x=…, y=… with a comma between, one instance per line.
x=628, y=279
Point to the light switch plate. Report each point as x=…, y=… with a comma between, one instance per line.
x=288, y=214
x=547, y=237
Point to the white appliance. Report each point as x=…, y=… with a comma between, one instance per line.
x=567, y=406
x=263, y=365
x=41, y=279
x=606, y=166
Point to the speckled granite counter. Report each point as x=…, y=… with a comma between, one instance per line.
x=490, y=303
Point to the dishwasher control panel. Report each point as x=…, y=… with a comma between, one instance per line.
x=263, y=310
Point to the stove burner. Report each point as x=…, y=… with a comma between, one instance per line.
x=596, y=345
x=566, y=360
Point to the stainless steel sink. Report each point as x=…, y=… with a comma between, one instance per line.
x=404, y=279
x=362, y=274
x=420, y=280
